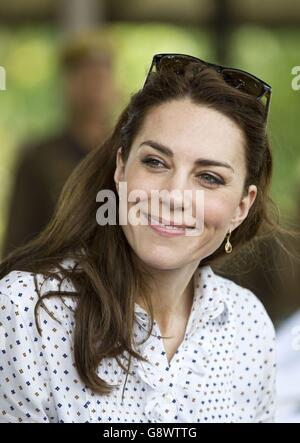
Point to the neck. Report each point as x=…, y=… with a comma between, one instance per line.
x=172, y=296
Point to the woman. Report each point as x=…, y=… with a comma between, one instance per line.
x=128, y=322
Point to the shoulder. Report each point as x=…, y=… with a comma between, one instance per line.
x=246, y=308
x=45, y=144
x=18, y=287
x=21, y=290
x=44, y=150
x=240, y=298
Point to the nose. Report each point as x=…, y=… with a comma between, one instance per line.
x=179, y=194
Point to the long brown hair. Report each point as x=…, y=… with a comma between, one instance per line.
x=109, y=275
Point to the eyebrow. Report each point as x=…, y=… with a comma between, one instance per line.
x=168, y=152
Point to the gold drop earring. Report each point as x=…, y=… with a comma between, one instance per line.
x=228, y=245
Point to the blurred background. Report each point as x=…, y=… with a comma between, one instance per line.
x=68, y=67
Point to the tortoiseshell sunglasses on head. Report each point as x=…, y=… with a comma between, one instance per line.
x=237, y=78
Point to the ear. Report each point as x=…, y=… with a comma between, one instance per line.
x=243, y=207
x=119, y=172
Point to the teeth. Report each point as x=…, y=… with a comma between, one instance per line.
x=172, y=227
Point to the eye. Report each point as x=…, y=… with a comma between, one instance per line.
x=153, y=162
x=210, y=179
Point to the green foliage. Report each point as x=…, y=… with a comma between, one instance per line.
x=271, y=56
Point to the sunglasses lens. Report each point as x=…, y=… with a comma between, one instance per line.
x=180, y=65
x=244, y=82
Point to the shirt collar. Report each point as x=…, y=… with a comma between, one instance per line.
x=209, y=298
x=208, y=302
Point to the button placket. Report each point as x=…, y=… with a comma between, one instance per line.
x=161, y=407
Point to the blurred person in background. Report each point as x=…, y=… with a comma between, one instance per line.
x=87, y=63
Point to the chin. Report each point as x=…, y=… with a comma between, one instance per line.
x=162, y=266
x=161, y=260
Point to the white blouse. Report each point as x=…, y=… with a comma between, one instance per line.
x=223, y=371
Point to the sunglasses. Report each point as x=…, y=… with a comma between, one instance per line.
x=242, y=80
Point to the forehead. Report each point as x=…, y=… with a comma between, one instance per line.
x=193, y=130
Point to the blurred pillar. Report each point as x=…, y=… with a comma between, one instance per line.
x=222, y=28
x=77, y=16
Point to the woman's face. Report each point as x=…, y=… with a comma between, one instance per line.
x=178, y=148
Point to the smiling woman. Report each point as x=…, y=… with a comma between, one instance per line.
x=80, y=302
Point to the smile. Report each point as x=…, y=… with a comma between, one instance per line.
x=167, y=230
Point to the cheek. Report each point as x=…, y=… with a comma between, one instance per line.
x=139, y=180
x=218, y=210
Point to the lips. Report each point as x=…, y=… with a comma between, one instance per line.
x=165, y=223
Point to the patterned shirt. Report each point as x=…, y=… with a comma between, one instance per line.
x=223, y=370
